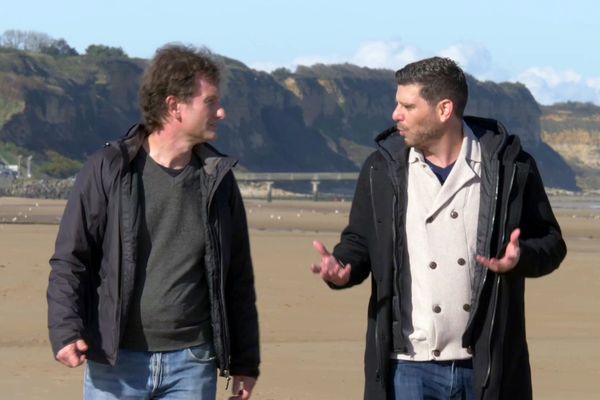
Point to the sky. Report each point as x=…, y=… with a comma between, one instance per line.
x=551, y=46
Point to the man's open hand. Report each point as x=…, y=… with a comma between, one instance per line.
x=329, y=268
x=510, y=258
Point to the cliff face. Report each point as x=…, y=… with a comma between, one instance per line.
x=70, y=105
x=322, y=118
x=349, y=105
x=573, y=130
x=346, y=104
x=515, y=107
x=265, y=128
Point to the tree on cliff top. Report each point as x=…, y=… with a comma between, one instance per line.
x=102, y=51
x=36, y=42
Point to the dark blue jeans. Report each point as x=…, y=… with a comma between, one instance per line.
x=439, y=380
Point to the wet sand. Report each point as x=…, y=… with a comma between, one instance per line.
x=312, y=337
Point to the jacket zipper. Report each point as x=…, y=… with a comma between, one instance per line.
x=372, y=198
x=381, y=378
x=221, y=302
x=220, y=287
x=378, y=374
x=496, y=294
x=396, y=272
x=224, y=317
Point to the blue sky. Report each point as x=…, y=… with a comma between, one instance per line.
x=551, y=46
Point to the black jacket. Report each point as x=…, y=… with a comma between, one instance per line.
x=512, y=196
x=93, y=268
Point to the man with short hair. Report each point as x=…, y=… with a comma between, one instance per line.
x=152, y=280
x=449, y=216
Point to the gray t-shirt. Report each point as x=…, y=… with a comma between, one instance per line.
x=170, y=307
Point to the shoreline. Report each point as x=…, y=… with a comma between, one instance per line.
x=37, y=211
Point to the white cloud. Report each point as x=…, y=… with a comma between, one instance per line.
x=373, y=54
x=594, y=83
x=386, y=54
x=475, y=59
x=549, y=85
x=472, y=57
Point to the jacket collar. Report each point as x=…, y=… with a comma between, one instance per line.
x=492, y=135
x=391, y=145
x=212, y=160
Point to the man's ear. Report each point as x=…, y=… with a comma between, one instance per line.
x=445, y=108
x=172, y=107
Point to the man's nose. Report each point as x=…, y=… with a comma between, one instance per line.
x=397, y=115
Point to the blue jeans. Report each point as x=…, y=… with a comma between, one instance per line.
x=440, y=380
x=184, y=374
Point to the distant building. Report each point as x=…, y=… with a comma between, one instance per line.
x=8, y=168
x=7, y=174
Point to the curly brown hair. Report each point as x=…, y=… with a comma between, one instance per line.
x=173, y=72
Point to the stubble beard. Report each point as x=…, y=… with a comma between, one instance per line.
x=423, y=138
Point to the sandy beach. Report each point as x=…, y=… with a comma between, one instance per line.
x=312, y=338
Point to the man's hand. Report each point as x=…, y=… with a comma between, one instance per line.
x=329, y=268
x=242, y=387
x=73, y=355
x=510, y=258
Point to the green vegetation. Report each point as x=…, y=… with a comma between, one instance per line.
x=9, y=107
x=59, y=166
x=101, y=51
x=573, y=108
x=571, y=116
x=49, y=165
x=9, y=152
x=281, y=74
x=553, y=126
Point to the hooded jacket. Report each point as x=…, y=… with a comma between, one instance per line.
x=512, y=196
x=93, y=268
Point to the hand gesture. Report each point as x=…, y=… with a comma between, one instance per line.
x=329, y=268
x=510, y=258
x=73, y=355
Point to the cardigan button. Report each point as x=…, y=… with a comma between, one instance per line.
x=454, y=214
x=436, y=353
x=433, y=265
x=467, y=307
x=461, y=261
x=437, y=309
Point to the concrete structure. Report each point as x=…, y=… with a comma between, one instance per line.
x=315, y=178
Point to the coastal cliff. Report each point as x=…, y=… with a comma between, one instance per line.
x=319, y=118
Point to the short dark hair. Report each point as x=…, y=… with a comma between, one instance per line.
x=173, y=72
x=439, y=78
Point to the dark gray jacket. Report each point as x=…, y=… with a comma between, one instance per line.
x=512, y=196
x=93, y=268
